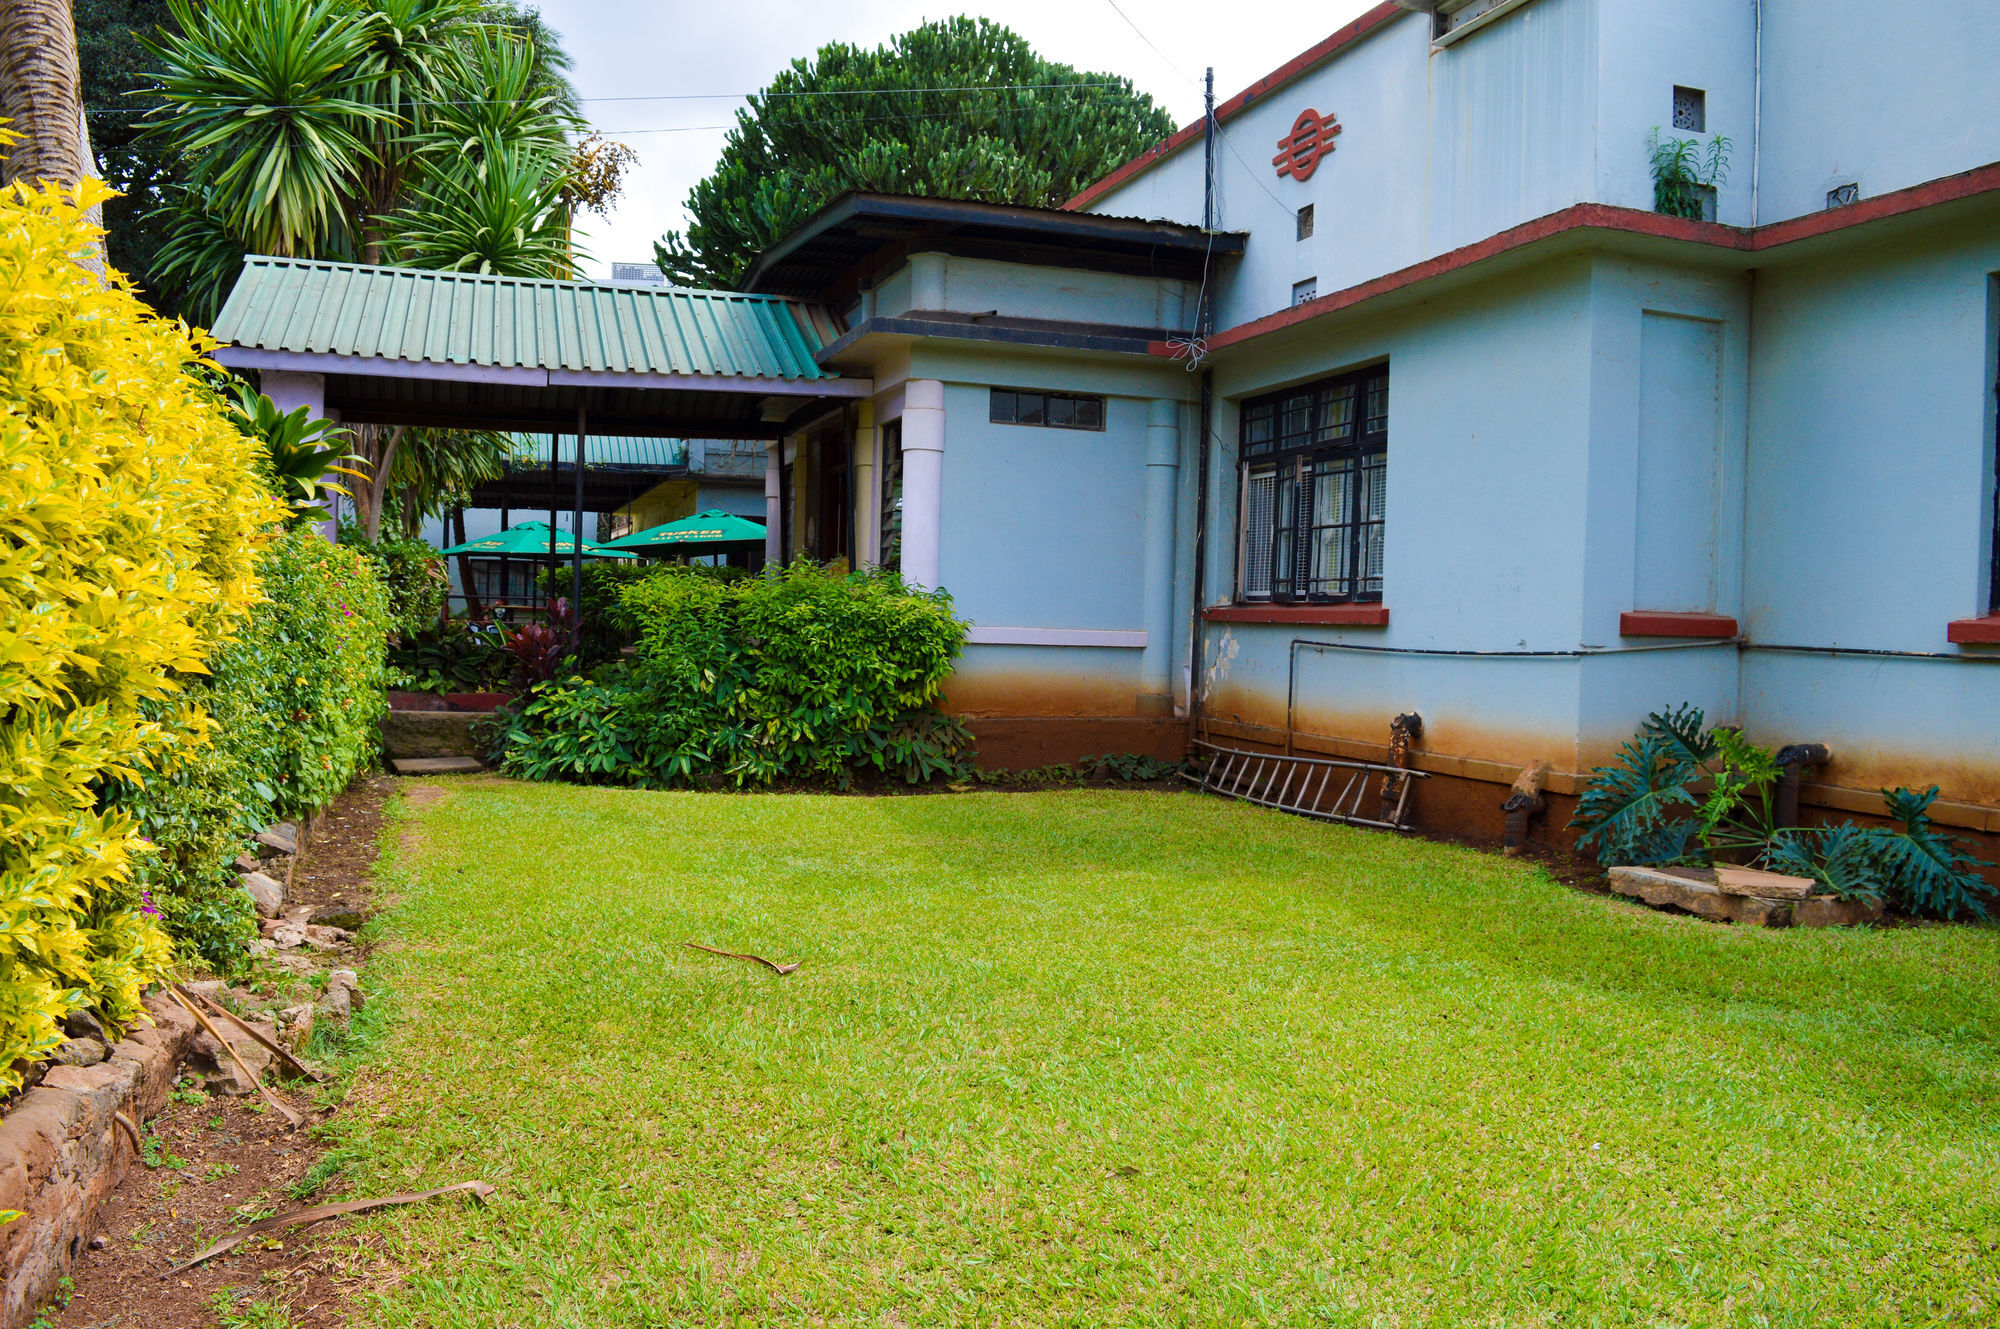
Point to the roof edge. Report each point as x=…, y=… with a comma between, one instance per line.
x=1770, y=238
x=1295, y=68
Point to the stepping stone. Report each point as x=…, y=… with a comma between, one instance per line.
x=437, y=765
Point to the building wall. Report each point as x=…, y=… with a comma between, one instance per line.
x=1886, y=96
x=1871, y=489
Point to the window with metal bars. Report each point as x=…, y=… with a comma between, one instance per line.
x=1314, y=466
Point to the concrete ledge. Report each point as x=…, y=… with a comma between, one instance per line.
x=62, y=1152
x=430, y=733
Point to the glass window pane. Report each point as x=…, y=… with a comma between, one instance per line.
x=1333, y=501
x=1285, y=519
x=1003, y=407
x=1378, y=404
x=1062, y=412
x=1295, y=427
x=1336, y=412
x=1028, y=408
x=1090, y=413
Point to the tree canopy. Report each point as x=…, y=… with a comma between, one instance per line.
x=960, y=108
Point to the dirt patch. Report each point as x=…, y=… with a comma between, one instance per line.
x=215, y=1163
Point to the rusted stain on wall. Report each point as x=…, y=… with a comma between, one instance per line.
x=1445, y=733
x=1034, y=692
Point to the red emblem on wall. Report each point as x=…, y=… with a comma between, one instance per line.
x=1311, y=138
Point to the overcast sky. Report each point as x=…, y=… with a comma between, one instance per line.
x=708, y=55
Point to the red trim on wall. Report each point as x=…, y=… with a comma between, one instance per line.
x=1298, y=65
x=1343, y=616
x=1651, y=623
x=1984, y=631
x=1627, y=221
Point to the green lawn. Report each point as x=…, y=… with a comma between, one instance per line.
x=1101, y=1058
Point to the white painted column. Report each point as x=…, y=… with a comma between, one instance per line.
x=923, y=479
x=1163, y=453
x=867, y=502
x=288, y=391
x=774, y=458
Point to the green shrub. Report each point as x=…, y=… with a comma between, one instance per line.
x=294, y=705
x=607, y=627
x=130, y=517
x=412, y=572
x=799, y=674
x=452, y=656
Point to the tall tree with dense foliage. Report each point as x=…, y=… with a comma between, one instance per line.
x=961, y=108
x=426, y=133
x=41, y=97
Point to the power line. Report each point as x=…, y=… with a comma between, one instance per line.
x=1149, y=41
x=675, y=96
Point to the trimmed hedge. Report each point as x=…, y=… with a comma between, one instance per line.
x=295, y=702
x=799, y=674
x=130, y=519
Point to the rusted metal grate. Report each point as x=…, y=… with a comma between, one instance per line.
x=1323, y=787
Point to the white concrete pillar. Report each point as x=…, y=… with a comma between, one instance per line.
x=867, y=503
x=923, y=479
x=288, y=391
x=1163, y=454
x=774, y=459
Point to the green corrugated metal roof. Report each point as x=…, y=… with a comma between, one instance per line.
x=652, y=453
x=412, y=315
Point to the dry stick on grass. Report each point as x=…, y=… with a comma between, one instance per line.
x=479, y=1190
x=758, y=959
x=284, y=1109
x=317, y=1077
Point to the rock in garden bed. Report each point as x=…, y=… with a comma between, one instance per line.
x=1742, y=896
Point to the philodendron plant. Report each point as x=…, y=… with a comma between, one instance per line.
x=1684, y=794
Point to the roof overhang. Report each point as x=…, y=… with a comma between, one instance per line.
x=859, y=236
x=864, y=344
x=1602, y=228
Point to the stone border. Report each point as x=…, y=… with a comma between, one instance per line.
x=62, y=1153
x=1696, y=891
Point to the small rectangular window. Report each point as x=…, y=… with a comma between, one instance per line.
x=1691, y=109
x=1051, y=410
x=1306, y=222
x=1305, y=290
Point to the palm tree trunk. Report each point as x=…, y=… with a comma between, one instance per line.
x=41, y=94
x=473, y=609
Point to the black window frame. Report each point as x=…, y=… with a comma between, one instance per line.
x=1296, y=440
x=1993, y=364
x=1009, y=406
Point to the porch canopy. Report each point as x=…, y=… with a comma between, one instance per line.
x=405, y=346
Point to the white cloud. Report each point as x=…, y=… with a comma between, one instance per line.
x=686, y=50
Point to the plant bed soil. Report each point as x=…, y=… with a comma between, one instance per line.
x=236, y=1162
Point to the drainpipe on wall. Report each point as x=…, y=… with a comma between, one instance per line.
x=1524, y=803
x=774, y=516
x=1793, y=761
x=1163, y=459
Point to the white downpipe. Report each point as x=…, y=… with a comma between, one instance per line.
x=923, y=479
x=867, y=503
x=774, y=453
x=1757, y=115
x=1163, y=451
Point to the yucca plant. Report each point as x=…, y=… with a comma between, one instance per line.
x=302, y=452
x=501, y=213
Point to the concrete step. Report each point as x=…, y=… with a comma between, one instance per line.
x=436, y=765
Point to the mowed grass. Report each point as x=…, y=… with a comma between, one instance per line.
x=1107, y=1058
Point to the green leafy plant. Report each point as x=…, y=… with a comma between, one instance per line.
x=540, y=652
x=802, y=674
x=1685, y=173
x=1644, y=810
x=453, y=656
x=413, y=574
x=301, y=452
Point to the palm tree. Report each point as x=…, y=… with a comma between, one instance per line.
x=41, y=96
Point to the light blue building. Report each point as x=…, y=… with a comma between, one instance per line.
x=1476, y=432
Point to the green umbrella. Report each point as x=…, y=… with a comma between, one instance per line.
x=708, y=532
x=531, y=540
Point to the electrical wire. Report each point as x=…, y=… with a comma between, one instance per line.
x=679, y=96
x=1149, y=41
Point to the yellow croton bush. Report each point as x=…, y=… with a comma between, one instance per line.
x=131, y=515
